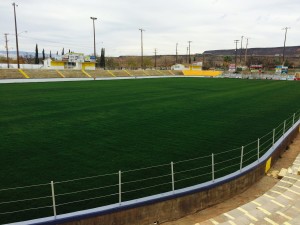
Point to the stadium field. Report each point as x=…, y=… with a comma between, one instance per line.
x=67, y=130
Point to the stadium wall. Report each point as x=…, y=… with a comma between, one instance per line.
x=179, y=203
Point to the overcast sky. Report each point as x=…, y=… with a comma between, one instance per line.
x=209, y=24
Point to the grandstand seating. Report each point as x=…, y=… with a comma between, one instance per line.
x=176, y=72
x=138, y=73
x=120, y=73
x=98, y=73
x=42, y=73
x=153, y=72
x=279, y=205
x=73, y=73
x=10, y=74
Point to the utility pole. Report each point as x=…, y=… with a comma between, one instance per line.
x=155, y=58
x=189, y=51
x=6, y=46
x=176, y=61
x=142, y=50
x=246, y=50
x=241, y=49
x=16, y=31
x=286, y=28
x=94, y=18
x=236, y=42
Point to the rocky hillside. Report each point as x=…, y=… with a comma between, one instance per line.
x=276, y=51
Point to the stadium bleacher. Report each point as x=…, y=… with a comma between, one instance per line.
x=10, y=74
x=98, y=73
x=279, y=205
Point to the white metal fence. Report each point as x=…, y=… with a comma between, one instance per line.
x=59, y=197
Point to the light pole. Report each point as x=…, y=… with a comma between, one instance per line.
x=155, y=51
x=94, y=18
x=236, y=42
x=241, y=49
x=246, y=50
x=142, y=51
x=187, y=54
x=6, y=46
x=16, y=32
x=189, y=51
x=176, y=61
x=286, y=28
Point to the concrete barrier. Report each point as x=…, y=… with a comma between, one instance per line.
x=179, y=203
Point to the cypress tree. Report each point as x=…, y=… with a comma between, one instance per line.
x=63, y=51
x=36, y=60
x=43, y=54
x=102, y=58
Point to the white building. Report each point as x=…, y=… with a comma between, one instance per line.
x=76, y=61
x=178, y=67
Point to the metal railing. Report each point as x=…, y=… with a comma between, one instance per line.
x=59, y=197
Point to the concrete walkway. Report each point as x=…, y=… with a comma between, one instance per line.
x=279, y=205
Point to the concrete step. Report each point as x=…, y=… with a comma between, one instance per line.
x=279, y=205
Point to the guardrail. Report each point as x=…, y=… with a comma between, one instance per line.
x=60, y=197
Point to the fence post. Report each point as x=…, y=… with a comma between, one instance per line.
x=273, y=136
x=120, y=187
x=53, y=199
x=284, y=127
x=242, y=155
x=172, y=174
x=213, y=167
x=258, y=149
x=294, y=118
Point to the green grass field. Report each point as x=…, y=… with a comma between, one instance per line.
x=66, y=130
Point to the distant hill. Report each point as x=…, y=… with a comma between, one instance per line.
x=276, y=51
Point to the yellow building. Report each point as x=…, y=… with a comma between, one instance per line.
x=76, y=61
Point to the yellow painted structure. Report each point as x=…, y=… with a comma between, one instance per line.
x=57, y=63
x=209, y=73
x=194, y=67
x=86, y=65
x=110, y=73
x=171, y=72
x=86, y=73
x=268, y=164
x=60, y=74
x=127, y=72
x=23, y=73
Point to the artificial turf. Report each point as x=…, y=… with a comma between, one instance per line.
x=64, y=130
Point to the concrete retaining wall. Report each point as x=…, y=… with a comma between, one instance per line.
x=174, y=208
x=179, y=203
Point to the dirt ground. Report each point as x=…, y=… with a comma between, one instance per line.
x=250, y=194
